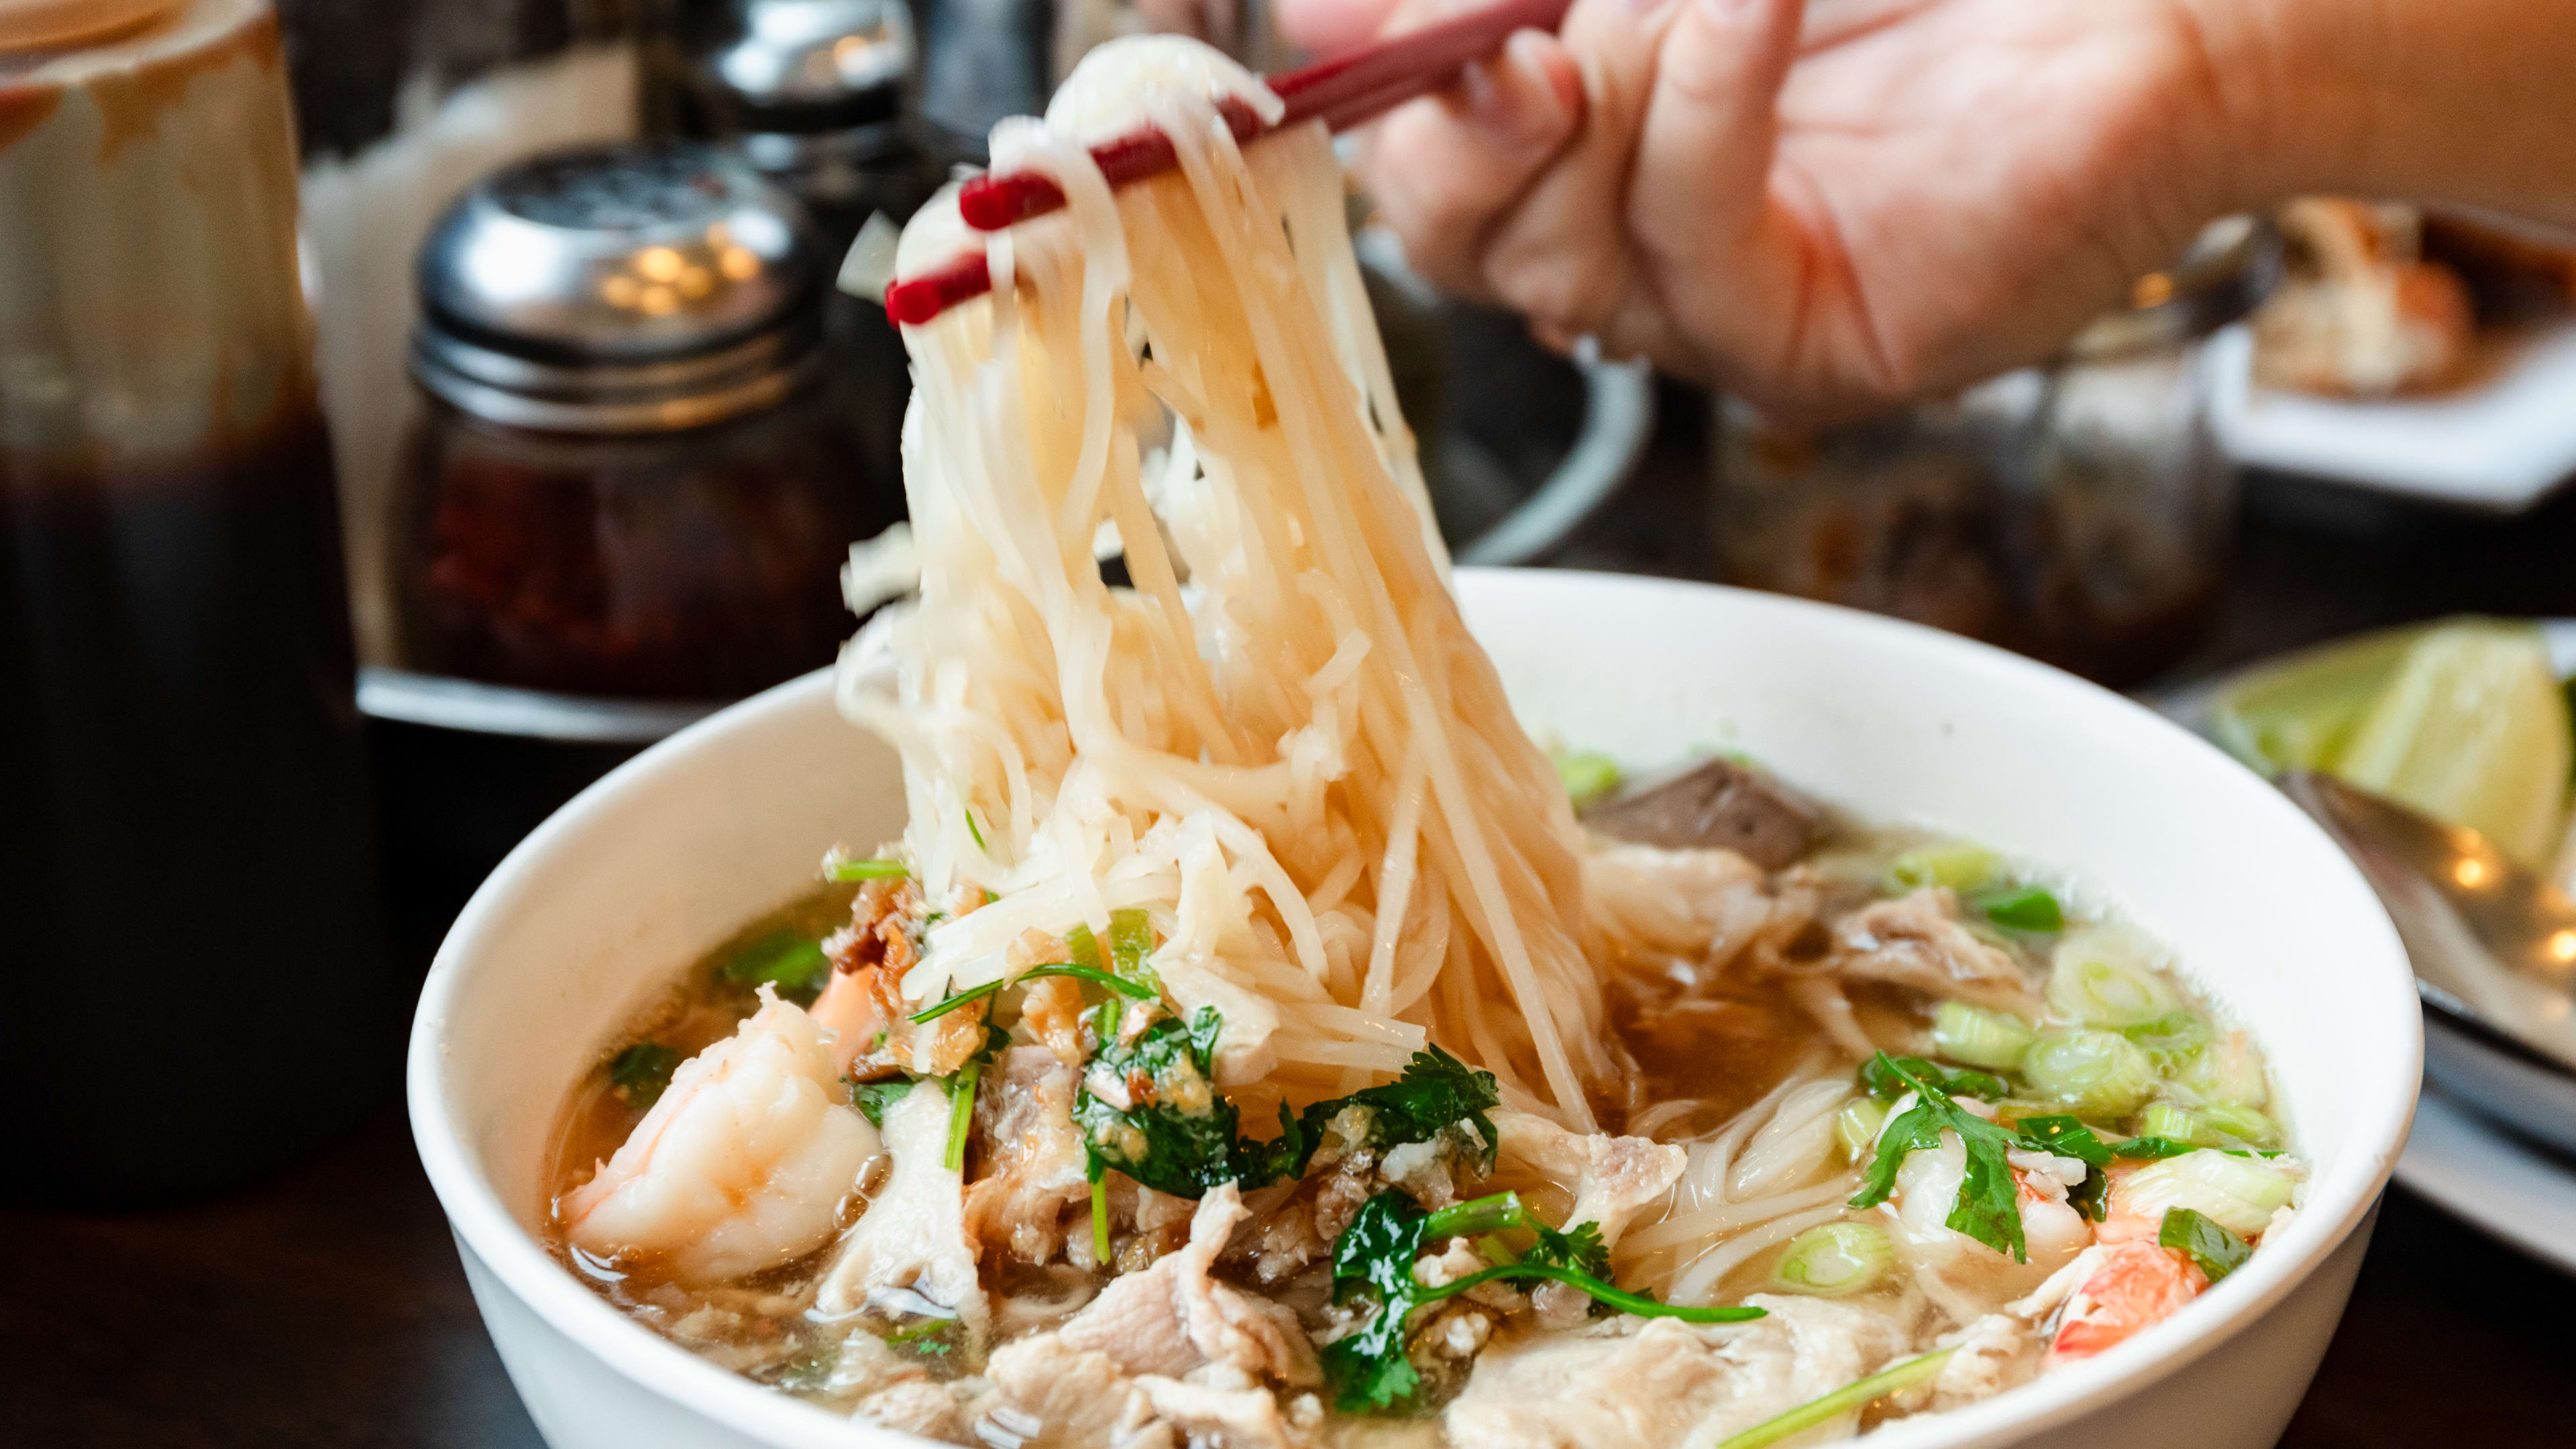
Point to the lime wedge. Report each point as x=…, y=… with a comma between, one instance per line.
x=2296, y=713
x=2471, y=729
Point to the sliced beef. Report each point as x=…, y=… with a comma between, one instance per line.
x=1719, y=805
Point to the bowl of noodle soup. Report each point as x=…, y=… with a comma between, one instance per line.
x=581, y=928
x=1186, y=1006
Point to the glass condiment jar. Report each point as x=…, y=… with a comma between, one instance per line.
x=2077, y=512
x=629, y=480
x=812, y=94
x=187, y=837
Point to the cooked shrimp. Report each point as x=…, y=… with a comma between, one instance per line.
x=742, y=1165
x=2136, y=1284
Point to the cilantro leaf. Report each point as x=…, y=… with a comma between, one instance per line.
x=875, y=1099
x=1375, y=1255
x=2153, y=1147
x=2068, y=1137
x=1149, y=1108
x=1888, y=1078
x=1988, y=1207
x=1436, y=1092
x=641, y=1072
x=1579, y=1248
x=792, y=963
x=2204, y=1240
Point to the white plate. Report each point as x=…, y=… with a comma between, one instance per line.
x=2501, y=445
x=2483, y=1175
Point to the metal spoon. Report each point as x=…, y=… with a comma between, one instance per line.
x=2494, y=950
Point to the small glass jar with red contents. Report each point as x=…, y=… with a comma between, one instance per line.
x=630, y=479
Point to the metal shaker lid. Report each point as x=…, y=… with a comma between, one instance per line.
x=621, y=288
x=803, y=68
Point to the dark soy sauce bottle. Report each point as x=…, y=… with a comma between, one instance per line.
x=193, y=981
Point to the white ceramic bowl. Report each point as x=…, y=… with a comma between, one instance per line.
x=588, y=920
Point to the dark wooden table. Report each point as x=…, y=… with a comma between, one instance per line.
x=326, y=1307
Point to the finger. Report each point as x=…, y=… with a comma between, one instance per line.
x=1444, y=170
x=1561, y=256
x=1702, y=205
x=1328, y=27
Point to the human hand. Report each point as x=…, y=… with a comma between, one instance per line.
x=1822, y=211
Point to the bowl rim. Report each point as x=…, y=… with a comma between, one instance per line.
x=2339, y=1202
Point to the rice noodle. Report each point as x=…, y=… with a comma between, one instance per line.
x=1699, y=1278
x=1281, y=742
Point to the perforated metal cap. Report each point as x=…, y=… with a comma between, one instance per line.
x=648, y=285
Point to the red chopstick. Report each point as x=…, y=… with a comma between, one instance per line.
x=1342, y=93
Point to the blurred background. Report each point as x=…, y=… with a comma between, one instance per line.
x=505, y=418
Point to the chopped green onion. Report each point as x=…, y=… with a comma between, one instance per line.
x=1084, y=948
x=2209, y=1244
x=961, y=1113
x=1856, y=1126
x=2099, y=1074
x=1835, y=1259
x=2171, y=1040
x=2237, y=1192
x=977, y=833
x=2210, y=1126
x=640, y=1073
x=874, y=869
x=794, y=964
x=1099, y=1216
x=1979, y=1037
x=1959, y=864
x=2027, y=909
x=2229, y=1071
x=2106, y=976
x=1589, y=776
x=1840, y=1402
x=1131, y=940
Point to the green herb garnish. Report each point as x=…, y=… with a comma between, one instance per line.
x=1840, y=1402
x=1176, y=1133
x=1436, y=1092
x=639, y=1074
x=1118, y=984
x=1988, y=1208
x=792, y=963
x=1375, y=1256
x=1588, y=776
x=2026, y=909
x=872, y=869
x=1888, y=1078
x=961, y=1111
x=2204, y=1240
x=923, y=1337
x=975, y=832
x=1131, y=940
x=875, y=1099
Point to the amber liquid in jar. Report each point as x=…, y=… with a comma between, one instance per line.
x=197, y=988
